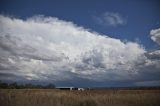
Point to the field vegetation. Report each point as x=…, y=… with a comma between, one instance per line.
x=53, y=97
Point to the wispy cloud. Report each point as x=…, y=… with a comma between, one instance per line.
x=155, y=35
x=110, y=19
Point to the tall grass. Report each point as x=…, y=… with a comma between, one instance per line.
x=49, y=97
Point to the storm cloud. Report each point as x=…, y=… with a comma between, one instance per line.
x=46, y=48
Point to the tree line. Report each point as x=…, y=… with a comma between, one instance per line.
x=15, y=85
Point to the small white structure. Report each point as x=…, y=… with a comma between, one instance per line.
x=80, y=89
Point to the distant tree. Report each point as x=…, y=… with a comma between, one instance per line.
x=50, y=86
x=3, y=85
x=38, y=86
x=28, y=85
x=13, y=85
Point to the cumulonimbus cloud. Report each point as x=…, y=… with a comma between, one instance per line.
x=46, y=48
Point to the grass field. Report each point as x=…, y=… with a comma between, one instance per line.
x=49, y=97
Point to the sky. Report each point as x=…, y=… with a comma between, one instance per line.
x=98, y=43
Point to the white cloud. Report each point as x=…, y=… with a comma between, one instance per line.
x=155, y=35
x=110, y=19
x=42, y=48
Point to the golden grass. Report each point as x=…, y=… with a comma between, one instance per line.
x=49, y=97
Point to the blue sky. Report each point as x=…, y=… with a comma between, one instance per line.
x=87, y=23
x=141, y=15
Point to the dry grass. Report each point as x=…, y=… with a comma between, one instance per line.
x=49, y=97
